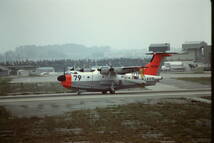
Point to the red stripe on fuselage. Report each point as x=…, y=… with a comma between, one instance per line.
x=68, y=82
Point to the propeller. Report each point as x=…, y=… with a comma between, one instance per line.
x=62, y=77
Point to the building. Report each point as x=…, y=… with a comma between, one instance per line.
x=15, y=68
x=23, y=72
x=207, y=55
x=197, y=51
x=173, y=66
x=4, y=71
x=161, y=47
x=43, y=71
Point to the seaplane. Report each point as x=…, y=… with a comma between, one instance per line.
x=109, y=79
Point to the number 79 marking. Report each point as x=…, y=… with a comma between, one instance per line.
x=77, y=77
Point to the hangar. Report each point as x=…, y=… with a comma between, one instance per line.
x=4, y=71
x=196, y=51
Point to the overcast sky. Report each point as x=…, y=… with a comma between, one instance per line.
x=115, y=23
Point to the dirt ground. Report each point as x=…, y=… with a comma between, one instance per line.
x=168, y=121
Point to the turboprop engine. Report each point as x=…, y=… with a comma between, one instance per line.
x=115, y=70
x=105, y=70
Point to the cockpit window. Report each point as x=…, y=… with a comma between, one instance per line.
x=74, y=72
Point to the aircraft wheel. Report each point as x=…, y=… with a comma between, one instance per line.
x=78, y=92
x=104, y=92
x=112, y=92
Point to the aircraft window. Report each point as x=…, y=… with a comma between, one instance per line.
x=129, y=78
x=88, y=77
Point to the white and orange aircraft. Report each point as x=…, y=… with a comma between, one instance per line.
x=106, y=78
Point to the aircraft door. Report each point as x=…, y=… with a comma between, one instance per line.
x=94, y=80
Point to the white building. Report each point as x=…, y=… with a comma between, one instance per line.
x=43, y=71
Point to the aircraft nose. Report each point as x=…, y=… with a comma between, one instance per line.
x=61, y=78
x=66, y=80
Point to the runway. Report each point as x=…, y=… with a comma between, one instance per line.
x=90, y=95
x=55, y=104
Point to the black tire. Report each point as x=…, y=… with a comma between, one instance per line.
x=104, y=92
x=112, y=92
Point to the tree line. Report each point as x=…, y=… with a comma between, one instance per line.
x=59, y=65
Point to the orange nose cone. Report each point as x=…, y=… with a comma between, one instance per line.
x=67, y=83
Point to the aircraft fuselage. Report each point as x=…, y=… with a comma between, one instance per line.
x=94, y=81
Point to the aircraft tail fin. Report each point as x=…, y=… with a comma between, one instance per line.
x=154, y=66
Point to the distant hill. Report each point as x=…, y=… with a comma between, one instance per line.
x=68, y=51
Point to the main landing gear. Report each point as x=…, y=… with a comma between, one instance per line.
x=111, y=89
x=104, y=92
x=111, y=92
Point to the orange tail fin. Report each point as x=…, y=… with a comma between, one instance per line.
x=155, y=63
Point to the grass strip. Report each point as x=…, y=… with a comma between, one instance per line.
x=136, y=122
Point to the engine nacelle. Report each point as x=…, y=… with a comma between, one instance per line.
x=119, y=71
x=105, y=70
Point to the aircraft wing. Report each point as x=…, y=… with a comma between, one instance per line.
x=120, y=70
x=130, y=69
